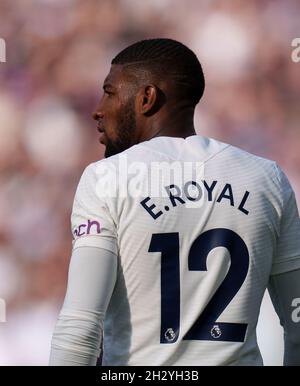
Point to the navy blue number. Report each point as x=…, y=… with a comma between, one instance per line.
x=205, y=327
x=168, y=245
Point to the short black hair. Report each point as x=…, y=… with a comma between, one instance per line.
x=167, y=58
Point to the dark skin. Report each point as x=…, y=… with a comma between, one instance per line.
x=135, y=107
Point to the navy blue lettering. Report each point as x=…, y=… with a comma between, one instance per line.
x=229, y=196
x=171, y=195
x=241, y=206
x=209, y=189
x=186, y=190
x=149, y=209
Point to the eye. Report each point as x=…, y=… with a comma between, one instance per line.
x=108, y=93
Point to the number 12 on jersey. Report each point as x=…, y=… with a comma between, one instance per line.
x=206, y=326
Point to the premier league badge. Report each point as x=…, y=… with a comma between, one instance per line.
x=216, y=332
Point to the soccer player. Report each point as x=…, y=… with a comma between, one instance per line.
x=176, y=236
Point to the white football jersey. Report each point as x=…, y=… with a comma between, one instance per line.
x=198, y=227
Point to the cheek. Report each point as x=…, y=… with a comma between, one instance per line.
x=113, y=124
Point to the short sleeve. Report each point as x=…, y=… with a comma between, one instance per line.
x=91, y=221
x=287, y=257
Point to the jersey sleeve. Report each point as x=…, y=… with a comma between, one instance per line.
x=91, y=220
x=287, y=256
x=77, y=336
x=284, y=290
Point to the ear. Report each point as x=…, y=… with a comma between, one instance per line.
x=148, y=100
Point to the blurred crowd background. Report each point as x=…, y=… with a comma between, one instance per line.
x=58, y=53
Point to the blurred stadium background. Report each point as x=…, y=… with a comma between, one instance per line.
x=58, y=53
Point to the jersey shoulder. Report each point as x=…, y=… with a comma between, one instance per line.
x=243, y=159
x=193, y=148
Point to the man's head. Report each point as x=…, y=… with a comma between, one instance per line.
x=148, y=83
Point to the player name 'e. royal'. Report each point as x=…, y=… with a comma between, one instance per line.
x=183, y=196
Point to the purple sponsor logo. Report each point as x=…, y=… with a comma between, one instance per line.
x=85, y=229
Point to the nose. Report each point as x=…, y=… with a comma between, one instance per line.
x=97, y=115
